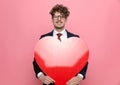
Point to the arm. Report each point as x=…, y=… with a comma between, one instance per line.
x=84, y=70
x=37, y=70
x=41, y=75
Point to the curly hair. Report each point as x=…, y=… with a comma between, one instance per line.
x=60, y=8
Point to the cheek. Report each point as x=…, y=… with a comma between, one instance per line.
x=64, y=22
x=53, y=21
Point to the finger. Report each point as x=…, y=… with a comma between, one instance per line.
x=75, y=82
x=68, y=83
x=51, y=79
x=46, y=82
x=71, y=80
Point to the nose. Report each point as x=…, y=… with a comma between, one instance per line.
x=59, y=18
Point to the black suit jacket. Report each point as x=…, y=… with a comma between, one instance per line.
x=36, y=67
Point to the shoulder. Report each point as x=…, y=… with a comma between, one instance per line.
x=47, y=34
x=72, y=34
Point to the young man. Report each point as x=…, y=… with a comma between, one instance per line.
x=59, y=15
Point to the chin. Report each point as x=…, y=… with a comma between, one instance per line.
x=59, y=27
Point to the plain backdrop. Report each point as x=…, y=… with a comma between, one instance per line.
x=23, y=21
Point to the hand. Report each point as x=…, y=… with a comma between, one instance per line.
x=75, y=80
x=46, y=79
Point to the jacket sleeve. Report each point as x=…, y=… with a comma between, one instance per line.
x=84, y=70
x=36, y=67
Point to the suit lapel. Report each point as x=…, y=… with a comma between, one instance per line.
x=50, y=33
x=68, y=34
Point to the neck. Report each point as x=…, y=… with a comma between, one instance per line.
x=59, y=29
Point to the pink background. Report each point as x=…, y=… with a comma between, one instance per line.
x=23, y=21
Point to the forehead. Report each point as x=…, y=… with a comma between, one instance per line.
x=57, y=13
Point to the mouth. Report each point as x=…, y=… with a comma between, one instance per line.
x=59, y=22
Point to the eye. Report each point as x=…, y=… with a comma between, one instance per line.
x=61, y=16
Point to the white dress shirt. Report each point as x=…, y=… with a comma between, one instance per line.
x=63, y=37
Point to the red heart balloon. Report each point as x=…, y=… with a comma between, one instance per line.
x=61, y=60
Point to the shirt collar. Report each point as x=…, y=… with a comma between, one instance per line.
x=63, y=32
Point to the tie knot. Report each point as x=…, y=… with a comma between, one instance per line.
x=59, y=35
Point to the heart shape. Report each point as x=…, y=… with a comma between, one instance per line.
x=61, y=60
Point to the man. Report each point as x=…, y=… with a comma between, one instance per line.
x=59, y=17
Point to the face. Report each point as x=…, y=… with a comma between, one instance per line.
x=59, y=20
